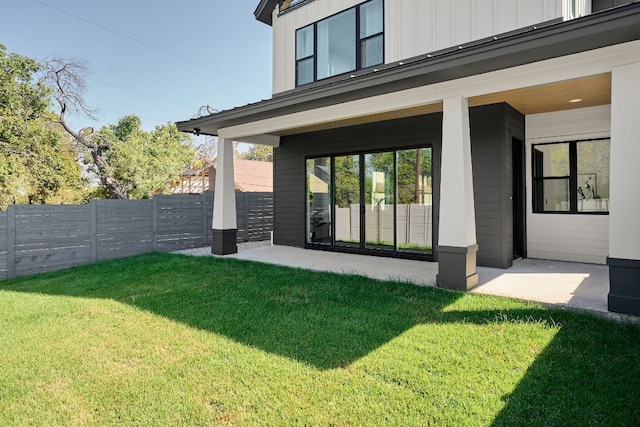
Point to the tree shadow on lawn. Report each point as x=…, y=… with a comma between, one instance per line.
x=329, y=321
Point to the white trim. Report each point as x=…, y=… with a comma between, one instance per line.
x=569, y=67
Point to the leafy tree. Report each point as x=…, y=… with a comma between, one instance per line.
x=129, y=162
x=37, y=164
x=143, y=163
x=263, y=153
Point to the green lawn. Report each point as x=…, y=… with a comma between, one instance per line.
x=174, y=340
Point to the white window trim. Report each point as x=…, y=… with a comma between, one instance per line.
x=572, y=9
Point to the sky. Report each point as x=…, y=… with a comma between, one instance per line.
x=158, y=59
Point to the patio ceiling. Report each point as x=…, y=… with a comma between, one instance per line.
x=564, y=95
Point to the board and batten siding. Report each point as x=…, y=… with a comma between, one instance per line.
x=412, y=27
x=566, y=237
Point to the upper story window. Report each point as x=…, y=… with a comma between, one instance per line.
x=348, y=41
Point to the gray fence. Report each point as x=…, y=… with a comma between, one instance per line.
x=39, y=238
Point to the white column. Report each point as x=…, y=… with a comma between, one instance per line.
x=457, y=210
x=457, y=230
x=224, y=202
x=624, y=190
x=624, y=208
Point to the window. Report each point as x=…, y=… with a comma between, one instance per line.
x=571, y=177
x=348, y=41
x=371, y=202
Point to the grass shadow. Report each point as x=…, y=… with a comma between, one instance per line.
x=588, y=374
x=323, y=319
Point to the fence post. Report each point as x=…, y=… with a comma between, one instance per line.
x=246, y=217
x=11, y=241
x=204, y=218
x=154, y=221
x=93, y=229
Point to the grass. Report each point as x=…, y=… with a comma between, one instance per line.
x=174, y=340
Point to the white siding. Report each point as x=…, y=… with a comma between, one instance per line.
x=412, y=27
x=581, y=238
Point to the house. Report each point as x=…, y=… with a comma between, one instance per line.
x=250, y=176
x=468, y=132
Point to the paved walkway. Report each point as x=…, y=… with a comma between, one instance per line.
x=566, y=284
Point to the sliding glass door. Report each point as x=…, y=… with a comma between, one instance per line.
x=371, y=202
x=379, y=212
x=347, y=200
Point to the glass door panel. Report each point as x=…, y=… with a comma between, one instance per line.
x=379, y=189
x=347, y=200
x=414, y=217
x=319, y=200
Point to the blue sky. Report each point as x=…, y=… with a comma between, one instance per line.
x=160, y=60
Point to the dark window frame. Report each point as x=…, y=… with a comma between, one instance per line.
x=393, y=252
x=572, y=178
x=358, y=44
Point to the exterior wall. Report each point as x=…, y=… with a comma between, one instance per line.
x=598, y=5
x=289, y=158
x=412, y=27
x=581, y=238
x=492, y=128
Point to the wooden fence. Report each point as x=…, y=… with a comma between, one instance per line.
x=39, y=238
x=413, y=224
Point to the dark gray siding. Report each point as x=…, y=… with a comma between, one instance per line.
x=289, y=158
x=598, y=5
x=492, y=128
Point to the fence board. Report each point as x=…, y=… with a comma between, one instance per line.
x=38, y=238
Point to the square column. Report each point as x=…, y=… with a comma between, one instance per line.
x=624, y=212
x=457, y=245
x=225, y=228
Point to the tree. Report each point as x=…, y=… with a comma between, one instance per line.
x=263, y=153
x=144, y=163
x=36, y=161
x=129, y=162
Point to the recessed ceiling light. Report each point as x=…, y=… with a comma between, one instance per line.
x=574, y=100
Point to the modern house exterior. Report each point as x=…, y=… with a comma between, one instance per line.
x=467, y=132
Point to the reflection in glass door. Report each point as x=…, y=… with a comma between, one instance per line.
x=379, y=188
x=347, y=200
x=372, y=201
x=414, y=220
x=319, y=200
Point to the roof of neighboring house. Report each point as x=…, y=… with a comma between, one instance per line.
x=526, y=45
x=253, y=175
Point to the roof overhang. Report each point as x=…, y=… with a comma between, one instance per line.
x=264, y=11
x=527, y=46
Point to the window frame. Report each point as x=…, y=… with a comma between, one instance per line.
x=572, y=179
x=362, y=247
x=358, y=44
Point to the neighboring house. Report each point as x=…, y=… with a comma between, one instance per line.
x=249, y=176
x=470, y=132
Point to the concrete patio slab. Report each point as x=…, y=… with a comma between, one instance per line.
x=565, y=284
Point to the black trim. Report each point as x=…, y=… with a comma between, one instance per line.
x=624, y=286
x=457, y=267
x=224, y=242
x=362, y=247
x=358, y=44
x=572, y=178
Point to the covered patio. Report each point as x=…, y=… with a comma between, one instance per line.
x=572, y=285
